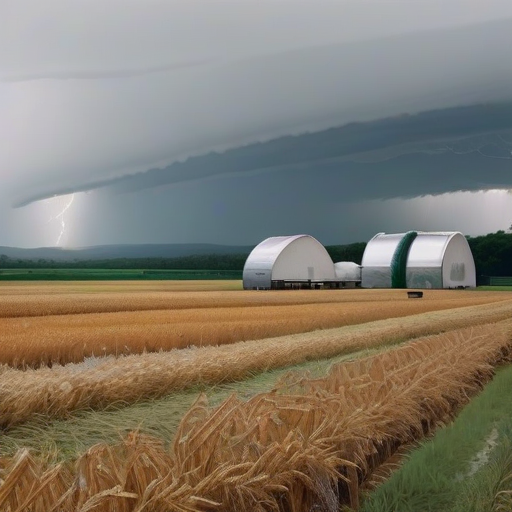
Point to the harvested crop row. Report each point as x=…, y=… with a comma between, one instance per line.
x=48, y=340
x=279, y=451
x=133, y=286
x=50, y=299
x=64, y=439
x=96, y=384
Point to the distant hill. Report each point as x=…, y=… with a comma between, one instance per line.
x=107, y=252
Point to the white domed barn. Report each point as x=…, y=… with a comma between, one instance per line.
x=418, y=260
x=282, y=261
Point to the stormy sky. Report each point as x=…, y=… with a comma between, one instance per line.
x=229, y=121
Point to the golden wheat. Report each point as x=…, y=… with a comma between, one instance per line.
x=97, y=383
x=32, y=334
x=306, y=445
x=30, y=300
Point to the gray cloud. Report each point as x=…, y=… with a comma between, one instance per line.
x=473, y=143
x=247, y=208
x=285, y=95
x=470, y=146
x=50, y=38
x=112, y=128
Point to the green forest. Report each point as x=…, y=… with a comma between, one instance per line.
x=492, y=254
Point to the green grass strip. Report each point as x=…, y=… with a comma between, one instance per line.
x=493, y=288
x=399, y=260
x=435, y=476
x=115, y=275
x=490, y=488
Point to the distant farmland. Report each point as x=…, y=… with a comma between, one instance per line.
x=94, y=274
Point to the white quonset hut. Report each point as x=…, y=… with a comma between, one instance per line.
x=282, y=261
x=349, y=273
x=418, y=260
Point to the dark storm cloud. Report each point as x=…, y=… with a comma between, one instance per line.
x=466, y=148
x=457, y=149
x=246, y=208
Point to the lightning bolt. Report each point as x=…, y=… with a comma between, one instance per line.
x=61, y=217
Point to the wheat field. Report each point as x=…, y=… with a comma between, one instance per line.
x=307, y=445
x=57, y=324
x=63, y=298
x=99, y=382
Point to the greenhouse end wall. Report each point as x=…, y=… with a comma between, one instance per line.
x=376, y=277
x=286, y=259
x=426, y=277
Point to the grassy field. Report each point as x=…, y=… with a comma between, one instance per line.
x=293, y=438
x=57, y=274
x=494, y=288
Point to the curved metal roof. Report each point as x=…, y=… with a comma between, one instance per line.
x=438, y=259
x=380, y=249
x=427, y=249
x=264, y=255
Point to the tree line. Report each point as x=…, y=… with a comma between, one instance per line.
x=492, y=254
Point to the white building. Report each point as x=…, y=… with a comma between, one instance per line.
x=349, y=273
x=418, y=260
x=283, y=261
